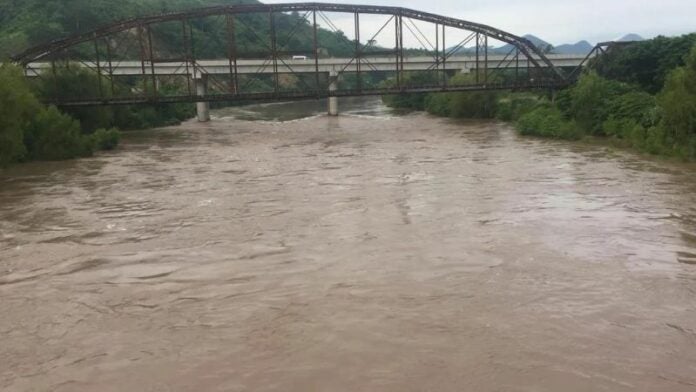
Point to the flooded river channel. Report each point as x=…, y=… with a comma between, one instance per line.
x=277, y=249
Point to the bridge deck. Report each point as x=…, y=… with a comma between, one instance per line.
x=261, y=66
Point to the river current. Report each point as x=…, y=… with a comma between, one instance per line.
x=278, y=249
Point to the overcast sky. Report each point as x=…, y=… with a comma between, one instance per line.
x=558, y=21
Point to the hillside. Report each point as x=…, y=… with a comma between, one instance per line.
x=630, y=38
x=25, y=23
x=582, y=47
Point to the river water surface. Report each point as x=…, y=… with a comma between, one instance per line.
x=276, y=249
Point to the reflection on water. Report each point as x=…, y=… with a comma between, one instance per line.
x=373, y=251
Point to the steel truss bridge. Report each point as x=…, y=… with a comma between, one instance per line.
x=133, y=67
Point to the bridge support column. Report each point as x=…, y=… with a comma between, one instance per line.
x=333, y=86
x=202, y=108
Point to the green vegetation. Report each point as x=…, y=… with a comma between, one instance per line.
x=548, y=121
x=641, y=96
x=17, y=106
x=618, y=99
x=646, y=64
x=81, y=82
x=25, y=23
x=480, y=104
x=31, y=131
x=627, y=114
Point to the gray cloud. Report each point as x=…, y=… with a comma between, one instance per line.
x=560, y=21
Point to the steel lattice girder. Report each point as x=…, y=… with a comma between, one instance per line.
x=526, y=47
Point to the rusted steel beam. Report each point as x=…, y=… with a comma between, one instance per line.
x=315, y=49
x=99, y=70
x=526, y=47
x=272, y=96
x=152, y=61
x=276, y=54
x=232, y=52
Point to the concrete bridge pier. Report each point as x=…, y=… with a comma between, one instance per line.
x=202, y=108
x=333, y=86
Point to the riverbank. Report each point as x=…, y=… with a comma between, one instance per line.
x=622, y=97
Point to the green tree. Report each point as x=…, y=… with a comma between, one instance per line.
x=590, y=101
x=17, y=106
x=72, y=83
x=677, y=102
x=645, y=63
x=547, y=121
x=52, y=135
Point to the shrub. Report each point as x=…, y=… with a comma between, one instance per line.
x=76, y=82
x=548, y=121
x=677, y=102
x=514, y=106
x=635, y=105
x=17, y=106
x=645, y=63
x=438, y=104
x=591, y=101
x=52, y=135
x=479, y=104
x=621, y=128
x=106, y=139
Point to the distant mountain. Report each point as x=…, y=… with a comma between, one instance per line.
x=505, y=49
x=538, y=42
x=582, y=47
x=630, y=37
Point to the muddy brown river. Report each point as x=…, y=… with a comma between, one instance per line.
x=275, y=249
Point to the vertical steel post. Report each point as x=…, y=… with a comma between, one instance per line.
x=478, y=66
x=444, y=57
x=485, y=74
x=316, y=51
x=111, y=66
x=357, y=50
x=517, y=66
x=99, y=73
x=274, y=49
x=192, y=52
x=152, y=61
x=232, y=53
x=187, y=55
x=142, y=57
x=401, y=45
x=437, y=53
x=396, y=52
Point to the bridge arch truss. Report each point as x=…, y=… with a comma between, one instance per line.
x=132, y=65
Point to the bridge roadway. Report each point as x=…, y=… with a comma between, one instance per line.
x=259, y=66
